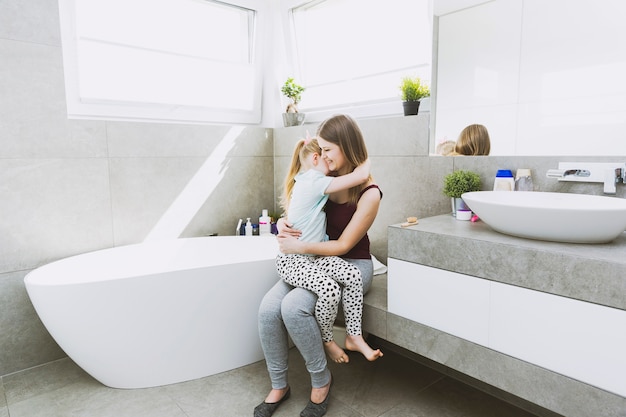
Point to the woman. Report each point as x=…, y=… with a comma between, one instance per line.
x=287, y=311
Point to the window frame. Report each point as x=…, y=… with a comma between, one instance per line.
x=111, y=110
x=388, y=107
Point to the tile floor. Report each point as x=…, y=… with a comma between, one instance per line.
x=394, y=386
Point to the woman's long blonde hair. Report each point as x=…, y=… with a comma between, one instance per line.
x=304, y=148
x=343, y=131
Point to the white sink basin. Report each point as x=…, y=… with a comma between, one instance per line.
x=558, y=217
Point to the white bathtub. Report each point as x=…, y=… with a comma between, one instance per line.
x=160, y=312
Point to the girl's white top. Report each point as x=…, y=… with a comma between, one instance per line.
x=306, y=207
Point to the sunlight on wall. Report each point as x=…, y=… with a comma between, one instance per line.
x=180, y=213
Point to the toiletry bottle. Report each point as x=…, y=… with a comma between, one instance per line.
x=248, y=227
x=523, y=180
x=265, y=228
x=504, y=181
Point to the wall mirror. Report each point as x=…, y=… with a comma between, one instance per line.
x=546, y=78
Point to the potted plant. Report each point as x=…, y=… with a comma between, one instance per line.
x=457, y=183
x=413, y=90
x=292, y=91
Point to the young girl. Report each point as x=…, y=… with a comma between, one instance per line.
x=305, y=194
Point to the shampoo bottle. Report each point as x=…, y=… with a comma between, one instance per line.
x=264, y=224
x=248, y=227
x=504, y=181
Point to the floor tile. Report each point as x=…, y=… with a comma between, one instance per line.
x=392, y=386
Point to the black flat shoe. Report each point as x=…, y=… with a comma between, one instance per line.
x=267, y=409
x=317, y=410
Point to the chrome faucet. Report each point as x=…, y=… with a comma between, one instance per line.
x=561, y=173
x=608, y=173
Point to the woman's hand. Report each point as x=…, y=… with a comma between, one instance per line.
x=289, y=244
x=285, y=229
x=287, y=237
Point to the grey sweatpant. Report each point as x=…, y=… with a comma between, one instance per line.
x=287, y=311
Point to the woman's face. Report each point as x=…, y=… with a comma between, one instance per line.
x=332, y=154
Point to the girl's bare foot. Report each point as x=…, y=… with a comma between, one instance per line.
x=335, y=352
x=358, y=344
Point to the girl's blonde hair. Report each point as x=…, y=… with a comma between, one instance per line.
x=303, y=149
x=343, y=131
x=473, y=140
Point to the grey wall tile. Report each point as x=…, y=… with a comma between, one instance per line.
x=396, y=136
x=24, y=339
x=52, y=208
x=34, y=119
x=30, y=21
x=244, y=191
x=126, y=139
x=147, y=191
x=3, y=400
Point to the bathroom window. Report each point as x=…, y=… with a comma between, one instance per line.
x=179, y=60
x=352, y=54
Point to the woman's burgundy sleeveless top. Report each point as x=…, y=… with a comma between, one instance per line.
x=337, y=218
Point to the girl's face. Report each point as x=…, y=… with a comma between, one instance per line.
x=318, y=163
x=332, y=154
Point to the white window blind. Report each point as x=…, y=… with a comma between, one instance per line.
x=187, y=60
x=351, y=53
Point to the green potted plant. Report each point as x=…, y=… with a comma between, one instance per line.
x=413, y=90
x=458, y=182
x=293, y=91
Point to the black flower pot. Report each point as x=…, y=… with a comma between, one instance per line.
x=410, y=107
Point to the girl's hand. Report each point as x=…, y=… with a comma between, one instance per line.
x=285, y=230
x=364, y=169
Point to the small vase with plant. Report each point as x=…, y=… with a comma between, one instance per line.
x=413, y=90
x=293, y=91
x=457, y=183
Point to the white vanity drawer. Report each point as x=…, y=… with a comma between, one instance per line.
x=441, y=299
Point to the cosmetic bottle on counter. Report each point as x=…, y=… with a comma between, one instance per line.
x=265, y=228
x=523, y=180
x=504, y=181
x=248, y=227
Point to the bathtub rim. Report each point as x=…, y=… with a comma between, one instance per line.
x=139, y=259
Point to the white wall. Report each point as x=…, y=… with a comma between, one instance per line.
x=546, y=78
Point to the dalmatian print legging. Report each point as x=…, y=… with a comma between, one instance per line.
x=322, y=275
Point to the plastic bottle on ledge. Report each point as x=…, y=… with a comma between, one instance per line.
x=504, y=181
x=265, y=228
x=523, y=180
x=248, y=227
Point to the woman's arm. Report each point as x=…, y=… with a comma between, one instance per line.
x=361, y=221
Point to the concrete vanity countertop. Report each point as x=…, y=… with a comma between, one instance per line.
x=589, y=272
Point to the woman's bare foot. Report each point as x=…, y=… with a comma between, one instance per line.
x=319, y=395
x=335, y=352
x=358, y=344
x=276, y=395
